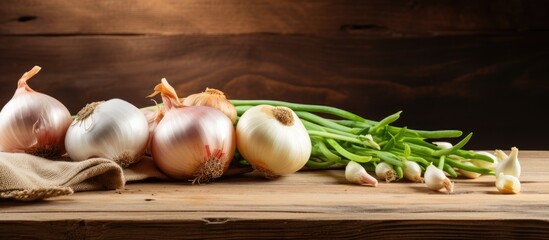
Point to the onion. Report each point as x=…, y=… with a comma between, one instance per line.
x=412, y=171
x=193, y=142
x=114, y=129
x=273, y=140
x=385, y=171
x=33, y=122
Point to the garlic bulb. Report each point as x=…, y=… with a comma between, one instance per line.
x=412, y=171
x=273, y=140
x=355, y=173
x=114, y=129
x=212, y=98
x=435, y=179
x=194, y=142
x=507, y=184
x=385, y=172
x=510, y=165
x=33, y=122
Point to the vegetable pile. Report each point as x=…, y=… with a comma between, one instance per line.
x=198, y=137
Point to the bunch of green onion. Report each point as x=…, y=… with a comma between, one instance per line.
x=339, y=136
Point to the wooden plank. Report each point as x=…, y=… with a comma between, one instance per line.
x=278, y=229
x=327, y=185
x=371, y=17
x=305, y=205
x=439, y=82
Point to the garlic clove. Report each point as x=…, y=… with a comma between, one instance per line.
x=435, y=179
x=510, y=165
x=355, y=173
x=508, y=184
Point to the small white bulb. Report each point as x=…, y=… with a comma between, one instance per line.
x=412, y=171
x=355, y=173
x=435, y=179
x=385, y=172
x=508, y=184
x=443, y=145
x=510, y=165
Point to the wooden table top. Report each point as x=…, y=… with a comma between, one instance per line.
x=306, y=205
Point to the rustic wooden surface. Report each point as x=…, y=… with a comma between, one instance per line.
x=478, y=66
x=305, y=205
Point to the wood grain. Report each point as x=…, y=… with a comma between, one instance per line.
x=305, y=205
x=191, y=17
x=489, y=84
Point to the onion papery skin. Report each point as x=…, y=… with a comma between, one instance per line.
x=212, y=98
x=194, y=143
x=116, y=130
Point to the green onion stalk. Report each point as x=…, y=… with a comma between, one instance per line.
x=340, y=136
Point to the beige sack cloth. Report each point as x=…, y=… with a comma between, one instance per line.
x=26, y=177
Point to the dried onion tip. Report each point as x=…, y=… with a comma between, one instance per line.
x=212, y=98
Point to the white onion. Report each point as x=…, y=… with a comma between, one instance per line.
x=273, y=140
x=114, y=129
x=33, y=122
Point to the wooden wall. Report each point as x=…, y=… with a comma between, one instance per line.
x=480, y=66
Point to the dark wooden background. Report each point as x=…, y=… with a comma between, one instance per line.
x=474, y=65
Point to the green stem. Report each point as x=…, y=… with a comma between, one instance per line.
x=469, y=168
x=315, y=164
x=399, y=171
x=386, y=121
x=321, y=121
x=334, y=136
x=347, y=154
x=454, y=148
x=441, y=162
x=302, y=107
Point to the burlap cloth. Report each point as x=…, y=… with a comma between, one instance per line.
x=27, y=178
